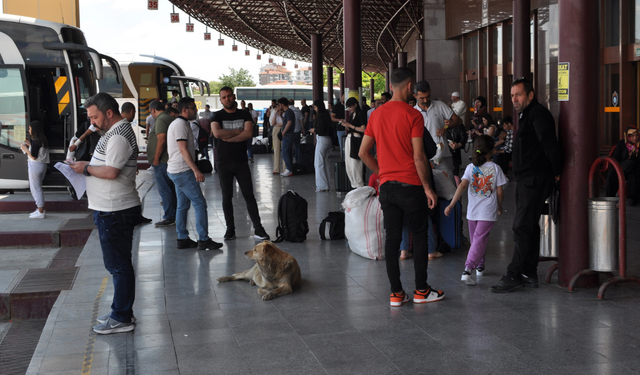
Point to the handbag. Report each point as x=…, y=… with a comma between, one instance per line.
x=355, y=147
x=204, y=166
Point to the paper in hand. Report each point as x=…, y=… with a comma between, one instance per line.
x=78, y=181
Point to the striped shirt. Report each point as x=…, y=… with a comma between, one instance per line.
x=117, y=148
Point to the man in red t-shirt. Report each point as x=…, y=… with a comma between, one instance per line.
x=397, y=129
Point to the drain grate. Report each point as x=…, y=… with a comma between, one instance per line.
x=17, y=347
x=47, y=280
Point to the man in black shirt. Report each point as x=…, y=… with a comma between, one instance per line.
x=232, y=127
x=337, y=114
x=537, y=162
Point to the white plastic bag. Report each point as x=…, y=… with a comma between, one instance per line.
x=364, y=224
x=71, y=154
x=445, y=185
x=437, y=159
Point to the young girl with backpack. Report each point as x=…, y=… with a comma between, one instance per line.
x=484, y=180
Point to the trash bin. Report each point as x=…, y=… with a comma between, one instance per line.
x=548, y=235
x=603, y=234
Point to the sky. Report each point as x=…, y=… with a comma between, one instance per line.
x=126, y=26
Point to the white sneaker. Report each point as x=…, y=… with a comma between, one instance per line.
x=36, y=212
x=150, y=168
x=479, y=271
x=467, y=278
x=38, y=215
x=286, y=173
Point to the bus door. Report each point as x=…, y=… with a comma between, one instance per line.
x=13, y=127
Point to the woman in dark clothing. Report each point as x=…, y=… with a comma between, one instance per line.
x=626, y=153
x=322, y=128
x=480, y=111
x=457, y=138
x=355, y=127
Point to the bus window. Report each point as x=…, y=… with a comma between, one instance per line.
x=265, y=95
x=81, y=68
x=13, y=108
x=302, y=94
x=109, y=84
x=29, y=39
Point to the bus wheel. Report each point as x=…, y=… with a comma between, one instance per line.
x=72, y=192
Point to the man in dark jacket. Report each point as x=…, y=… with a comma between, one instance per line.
x=537, y=162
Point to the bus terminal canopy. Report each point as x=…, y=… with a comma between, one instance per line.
x=284, y=28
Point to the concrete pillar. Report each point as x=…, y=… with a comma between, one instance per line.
x=330, y=84
x=521, y=44
x=419, y=59
x=578, y=131
x=316, y=66
x=387, y=77
x=352, y=44
x=402, y=59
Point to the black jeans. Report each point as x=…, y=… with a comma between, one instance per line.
x=398, y=200
x=227, y=170
x=531, y=193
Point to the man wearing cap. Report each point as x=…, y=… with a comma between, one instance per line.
x=459, y=106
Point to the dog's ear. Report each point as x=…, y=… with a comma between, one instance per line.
x=269, y=246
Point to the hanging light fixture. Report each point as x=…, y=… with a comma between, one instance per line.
x=246, y=50
x=207, y=34
x=189, y=26
x=258, y=56
x=175, y=17
x=234, y=47
x=295, y=65
x=284, y=63
x=152, y=5
x=270, y=59
x=220, y=40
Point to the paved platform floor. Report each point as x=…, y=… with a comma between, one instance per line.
x=339, y=321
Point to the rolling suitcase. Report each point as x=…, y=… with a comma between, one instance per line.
x=307, y=156
x=341, y=179
x=451, y=226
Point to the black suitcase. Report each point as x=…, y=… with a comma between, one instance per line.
x=307, y=156
x=341, y=179
x=451, y=226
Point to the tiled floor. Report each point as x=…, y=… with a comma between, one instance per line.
x=339, y=321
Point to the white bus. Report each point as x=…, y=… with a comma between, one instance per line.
x=147, y=78
x=261, y=96
x=46, y=72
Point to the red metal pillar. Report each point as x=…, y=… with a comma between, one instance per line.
x=341, y=84
x=521, y=44
x=352, y=44
x=330, y=84
x=372, y=90
x=316, y=66
x=578, y=131
x=402, y=59
x=419, y=59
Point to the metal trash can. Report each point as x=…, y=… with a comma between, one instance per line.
x=603, y=234
x=548, y=235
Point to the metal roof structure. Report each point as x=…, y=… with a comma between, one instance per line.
x=284, y=28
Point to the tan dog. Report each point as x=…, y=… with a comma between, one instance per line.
x=275, y=272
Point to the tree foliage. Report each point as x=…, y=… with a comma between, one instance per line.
x=235, y=78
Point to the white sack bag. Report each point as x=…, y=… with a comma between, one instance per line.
x=364, y=223
x=445, y=185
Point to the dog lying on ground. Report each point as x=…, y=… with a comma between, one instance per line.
x=275, y=272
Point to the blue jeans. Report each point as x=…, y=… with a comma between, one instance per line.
x=404, y=245
x=167, y=191
x=188, y=192
x=397, y=200
x=116, y=239
x=287, y=145
x=249, y=149
x=340, y=135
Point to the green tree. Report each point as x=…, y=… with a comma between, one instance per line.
x=235, y=78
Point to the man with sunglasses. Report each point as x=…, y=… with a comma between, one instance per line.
x=537, y=164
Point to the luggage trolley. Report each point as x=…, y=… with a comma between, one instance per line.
x=622, y=231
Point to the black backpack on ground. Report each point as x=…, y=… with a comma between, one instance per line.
x=292, y=218
x=332, y=227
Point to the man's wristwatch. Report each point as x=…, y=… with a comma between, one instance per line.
x=86, y=171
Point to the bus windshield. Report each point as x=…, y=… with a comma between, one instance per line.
x=82, y=70
x=13, y=107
